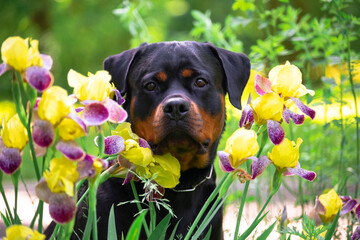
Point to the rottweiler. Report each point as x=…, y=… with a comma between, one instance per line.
x=175, y=99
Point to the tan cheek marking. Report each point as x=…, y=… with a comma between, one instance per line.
x=187, y=73
x=161, y=76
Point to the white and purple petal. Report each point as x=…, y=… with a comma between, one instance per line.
x=305, y=109
x=348, y=205
x=85, y=167
x=114, y=145
x=143, y=143
x=42, y=190
x=117, y=113
x=78, y=120
x=71, y=150
x=296, y=118
x=119, y=99
x=308, y=175
x=129, y=176
x=10, y=160
x=262, y=85
x=62, y=208
x=95, y=114
x=48, y=61
x=319, y=207
x=275, y=131
x=247, y=117
x=356, y=235
x=39, y=78
x=43, y=133
x=224, y=161
x=259, y=165
x=357, y=212
x=4, y=67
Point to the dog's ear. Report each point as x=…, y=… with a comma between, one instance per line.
x=119, y=65
x=237, y=71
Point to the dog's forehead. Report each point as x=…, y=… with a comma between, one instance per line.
x=177, y=55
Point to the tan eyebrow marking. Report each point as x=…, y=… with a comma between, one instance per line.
x=161, y=76
x=187, y=73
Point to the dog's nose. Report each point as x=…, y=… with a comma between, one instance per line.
x=176, y=108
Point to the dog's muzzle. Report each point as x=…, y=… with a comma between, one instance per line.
x=176, y=107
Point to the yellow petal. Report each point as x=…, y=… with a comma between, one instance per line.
x=54, y=105
x=137, y=155
x=70, y=130
x=287, y=80
x=166, y=170
x=124, y=130
x=332, y=203
x=286, y=154
x=302, y=91
x=14, y=134
x=19, y=232
x=34, y=58
x=15, y=52
x=267, y=107
x=240, y=145
x=78, y=82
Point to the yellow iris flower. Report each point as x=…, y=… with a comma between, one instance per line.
x=54, y=105
x=19, y=232
x=241, y=145
x=286, y=154
x=165, y=170
x=14, y=134
x=138, y=155
x=332, y=203
x=94, y=87
x=267, y=107
x=70, y=130
x=124, y=130
x=21, y=53
x=286, y=80
x=61, y=176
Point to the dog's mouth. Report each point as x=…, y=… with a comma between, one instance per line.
x=179, y=143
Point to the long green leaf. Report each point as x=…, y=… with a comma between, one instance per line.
x=172, y=236
x=112, y=226
x=267, y=232
x=6, y=219
x=252, y=227
x=135, y=229
x=160, y=230
x=331, y=231
x=208, y=235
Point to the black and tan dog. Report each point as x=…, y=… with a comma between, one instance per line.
x=174, y=95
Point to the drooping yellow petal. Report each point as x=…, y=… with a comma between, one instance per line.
x=124, y=130
x=165, y=170
x=138, y=155
x=54, y=105
x=20, y=232
x=70, y=130
x=241, y=145
x=267, y=107
x=14, y=134
x=61, y=176
x=286, y=154
x=332, y=203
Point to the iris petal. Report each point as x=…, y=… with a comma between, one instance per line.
x=70, y=150
x=247, y=117
x=10, y=160
x=348, y=206
x=305, y=109
x=43, y=133
x=4, y=67
x=276, y=132
x=296, y=118
x=259, y=165
x=95, y=114
x=114, y=145
x=308, y=175
x=224, y=161
x=62, y=208
x=116, y=113
x=85, y=167
x=47, y=61
x=262, y=85
x=319, y=207
x=39, y=78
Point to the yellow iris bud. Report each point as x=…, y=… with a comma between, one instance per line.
x=14, y=134
x=54, y=105
x=62, y=176
x=286, y=154
x=241, y=145
x=21, y=53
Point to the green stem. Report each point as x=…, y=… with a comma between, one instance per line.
x=68, y=229
x=15, y=181
x=5, y=201
x=152, y=217
x=205, y=206
x=132, y=184
x=356, y=112
x=92, y=208
x=342, y=143
x=41, y=211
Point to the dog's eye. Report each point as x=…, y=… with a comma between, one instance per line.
x=151, y=86
x=200, y=82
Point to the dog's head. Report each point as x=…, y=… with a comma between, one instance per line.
x=175, y=92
